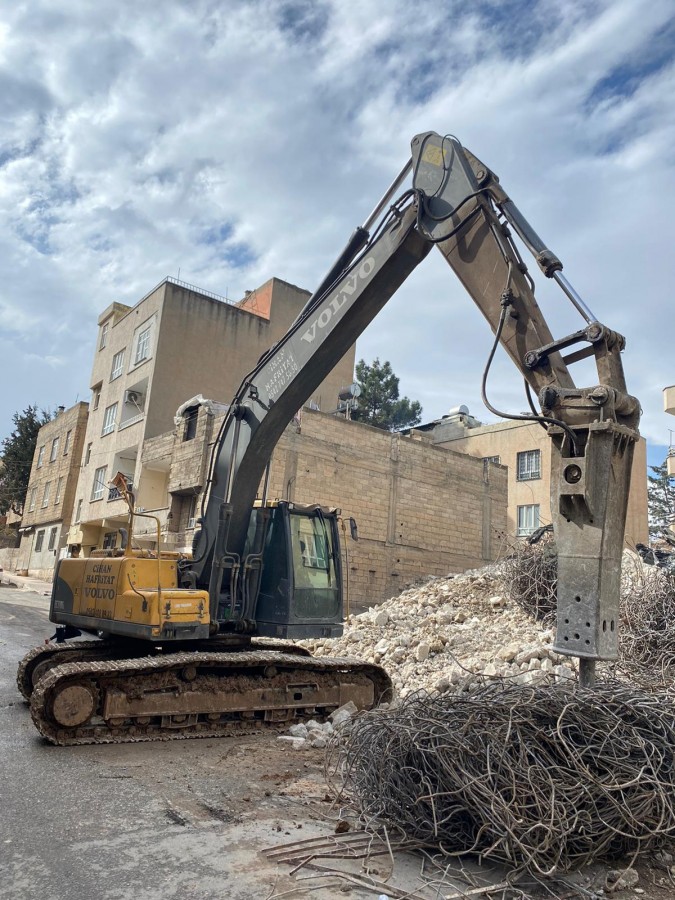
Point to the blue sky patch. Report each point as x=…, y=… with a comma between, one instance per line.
x=623, y=80
x=304, y=20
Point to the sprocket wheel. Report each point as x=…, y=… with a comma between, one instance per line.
x=73, y=704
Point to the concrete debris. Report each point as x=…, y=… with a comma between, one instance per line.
x=314, y=734
x=441, y=634
x=621, y=879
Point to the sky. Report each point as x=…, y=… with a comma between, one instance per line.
x=228, y=142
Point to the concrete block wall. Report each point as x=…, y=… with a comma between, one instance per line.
x=421, y=510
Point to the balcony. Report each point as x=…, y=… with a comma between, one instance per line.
x=669, y=399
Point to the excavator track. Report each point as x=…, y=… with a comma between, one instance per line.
x=41, y=659
x=189, y=695
x=38, y=661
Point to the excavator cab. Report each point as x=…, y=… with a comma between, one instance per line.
x=300, y=592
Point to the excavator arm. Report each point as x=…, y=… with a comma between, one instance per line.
x=457, y=204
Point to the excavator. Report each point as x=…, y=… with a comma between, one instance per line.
x=202, y=645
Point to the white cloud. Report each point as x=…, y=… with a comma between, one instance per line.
x=241, y=141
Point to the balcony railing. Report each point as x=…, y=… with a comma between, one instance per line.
x=132, y=421
x=114, y=494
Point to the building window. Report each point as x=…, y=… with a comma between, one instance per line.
x=493, y=459
x=104, y=335
x=41, y=456
x=109, y=540
x=192, y=512
x=31, y=502
x=55, y=449
x=528, y=465
x=59, y=486
x=78, y=511
x=190, y=417
x=117, y=365
x=143, y=345
x=66, y=443
x=39, y=538
x=98, y=489
x=45, y=496
x=87, y=455
x=109, y=419
x=52, y=538
x=96, y=397
x=528, y=519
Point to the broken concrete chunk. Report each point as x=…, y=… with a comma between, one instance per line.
x=296, y=743
x=422, y=651
x=381, y=617
x=298, y=730
x=508, y=653
x=343, y=714
x=620, y=879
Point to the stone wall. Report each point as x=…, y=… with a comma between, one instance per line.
x=421, y=510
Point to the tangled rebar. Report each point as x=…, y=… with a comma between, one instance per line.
x=530, y=576
x=648, y=624
x=545, y=778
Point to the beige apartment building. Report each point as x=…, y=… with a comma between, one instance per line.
x=421, y=509
x=177, y=342
x=51, y=491
x=669, y=407
x=525, y=448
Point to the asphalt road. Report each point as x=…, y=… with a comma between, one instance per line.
x=183, y=819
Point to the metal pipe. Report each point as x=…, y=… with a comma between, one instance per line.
x=233, y=460
x=396, y=183
x=266, y=482
x=537, y=248
x=574, y=297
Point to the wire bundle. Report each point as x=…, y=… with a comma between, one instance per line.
x=530, y=575
x=648, y=625
x=544, y=778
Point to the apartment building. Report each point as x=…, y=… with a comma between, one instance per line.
x=177, y=342
x=525, y=448
x=669, y=407
x=51, y=490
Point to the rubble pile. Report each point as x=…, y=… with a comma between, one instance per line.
x=442, y=634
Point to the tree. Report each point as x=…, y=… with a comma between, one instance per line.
x=379, y=403
x=661, y=499
x=17, y=452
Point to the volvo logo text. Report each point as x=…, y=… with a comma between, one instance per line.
x=339, y=300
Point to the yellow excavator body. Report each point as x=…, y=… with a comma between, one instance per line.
x=140, y=595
